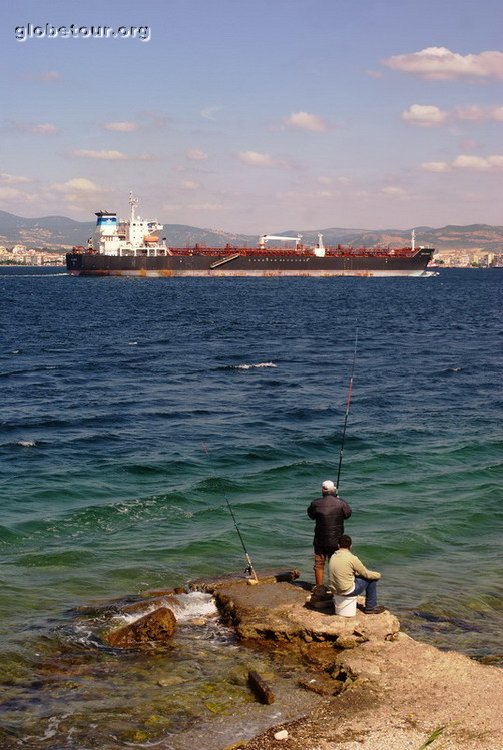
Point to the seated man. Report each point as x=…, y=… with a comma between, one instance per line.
x=348, y=576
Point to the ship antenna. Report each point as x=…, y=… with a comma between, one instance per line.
x=348, y=404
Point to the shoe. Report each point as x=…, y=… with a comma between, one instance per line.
x=374, y=610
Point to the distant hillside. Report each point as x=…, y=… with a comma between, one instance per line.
x=56, y=232
x=60, y=233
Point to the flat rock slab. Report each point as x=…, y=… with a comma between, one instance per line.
x=276, y=611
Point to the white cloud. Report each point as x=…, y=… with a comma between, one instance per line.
x=45, y=128
x=207, y=207
x=12, y=179
x=81, y=184
x=84, y=153
x=42, y=128
x=257, y=159
x=10, y=193
x=476, y=113
x=426, y=115
x=429, y=115
x=195, y=154
x=467, y=162
x=439, y=63
x=436, y=166
x=78, y=192
x=394, y=192
x=306, y=121
x=478, y=163
x=121, y=127
x=190, y=185
x=180, y=208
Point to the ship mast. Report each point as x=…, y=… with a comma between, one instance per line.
x=413, y=239
x=133, y=202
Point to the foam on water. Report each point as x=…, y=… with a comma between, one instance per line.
x=185, y=607
x=250, y=367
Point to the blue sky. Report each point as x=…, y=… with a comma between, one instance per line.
x=256, y=116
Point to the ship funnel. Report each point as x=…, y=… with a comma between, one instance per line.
x=106, y=222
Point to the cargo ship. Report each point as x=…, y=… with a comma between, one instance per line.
x=132, y=248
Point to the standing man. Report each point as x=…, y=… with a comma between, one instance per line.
x=329, y=512
x=348, y=576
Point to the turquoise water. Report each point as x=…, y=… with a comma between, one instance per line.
x=132, y=408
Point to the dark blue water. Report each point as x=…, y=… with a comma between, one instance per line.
x=132, y=408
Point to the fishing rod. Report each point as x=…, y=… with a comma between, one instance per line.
x=249, y=570
x=348, y=405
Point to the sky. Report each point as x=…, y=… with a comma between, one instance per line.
x=254, y=116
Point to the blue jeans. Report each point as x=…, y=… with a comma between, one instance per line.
x=369, y=587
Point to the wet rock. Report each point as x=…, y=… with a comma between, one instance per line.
x=211, y=585
x=321, y=684
x=492, y=659
x=156, y=626
x=165, y=600
x=171, y=681
x=156, y=593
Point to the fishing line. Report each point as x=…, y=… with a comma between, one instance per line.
x=348, y=405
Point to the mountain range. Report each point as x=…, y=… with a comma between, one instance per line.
x=61, y=233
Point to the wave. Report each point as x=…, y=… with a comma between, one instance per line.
x=249, y=367
x=33, y=275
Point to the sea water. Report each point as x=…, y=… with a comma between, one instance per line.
x=131, y=411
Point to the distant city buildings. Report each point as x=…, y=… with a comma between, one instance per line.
x=20, y=255
x=473, y=258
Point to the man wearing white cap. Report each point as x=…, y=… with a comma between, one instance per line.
x=329, y=512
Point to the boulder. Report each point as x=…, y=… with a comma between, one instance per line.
x=156, y=626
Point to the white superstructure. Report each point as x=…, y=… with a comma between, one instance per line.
x=131, y=237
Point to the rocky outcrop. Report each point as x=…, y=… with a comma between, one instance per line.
x=156, y=626
x=277, y=612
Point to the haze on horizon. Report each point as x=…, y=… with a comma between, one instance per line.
x=254, y=116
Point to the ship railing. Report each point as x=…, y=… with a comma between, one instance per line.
x=338, y=251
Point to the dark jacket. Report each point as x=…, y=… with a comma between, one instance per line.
x=329, y=513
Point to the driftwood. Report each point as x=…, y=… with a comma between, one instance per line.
x=260, y=688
